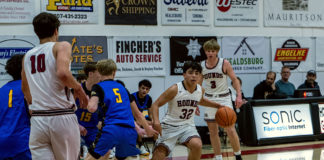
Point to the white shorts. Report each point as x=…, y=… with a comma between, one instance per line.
x=175, y=134
x=54, y=137
x=211, y=112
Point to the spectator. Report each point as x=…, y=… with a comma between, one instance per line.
x=283, y=86
x=266, y=89
x=310, y=81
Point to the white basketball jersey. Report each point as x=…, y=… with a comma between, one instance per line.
x=47, y=91
x=215, y=79
x=181, y=109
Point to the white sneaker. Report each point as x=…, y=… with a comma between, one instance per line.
x=85, y=151
x=144, y=151
x=112, y=153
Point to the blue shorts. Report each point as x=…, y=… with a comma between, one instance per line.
x=91, y=136
x=26, y=155
x=123, y=138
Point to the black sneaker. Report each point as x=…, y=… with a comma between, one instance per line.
x=238, y=157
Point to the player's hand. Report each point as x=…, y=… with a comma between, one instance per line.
x=140, y=131
x=151, y=132
x=158, y=128
x=83, y=98
x=197, y=112
x=238, y=102
x=83, y=131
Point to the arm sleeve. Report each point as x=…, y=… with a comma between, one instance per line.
x=97, y=91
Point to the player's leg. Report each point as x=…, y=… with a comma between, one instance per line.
x=234, y=140
x=195, y=146
x=39, y=139
x=65, y=136
x=126, y=145
x=214, y=137
x=160, y=152
x=190, y=137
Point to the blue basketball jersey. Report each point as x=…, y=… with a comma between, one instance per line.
x=15, y=123
x=86, y=118
x=144, y=106
x=116, y=100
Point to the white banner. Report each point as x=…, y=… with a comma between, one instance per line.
x=290, y=155
x=282, y=120
x=140, y=56
x=247, y=54
x=17, y=11
x=296, y=52
x=319, y=54
x=185, y=12
x=301, y=13
x=321, y=117
x=12, y=45
x=237, y=13
x=72, y=11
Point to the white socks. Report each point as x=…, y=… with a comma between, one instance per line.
x=218, y=157
x=237, y=153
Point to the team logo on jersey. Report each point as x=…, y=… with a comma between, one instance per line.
x=70, y=5
x=193, y=48
x=291, y=54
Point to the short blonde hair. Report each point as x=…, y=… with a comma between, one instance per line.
x=106, y=67
x=211, y=44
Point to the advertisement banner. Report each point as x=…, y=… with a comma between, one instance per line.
x=86, y=48
x=247, y=54
x=321, y=116
x=76, y=12
x=12, y=45
x=282, y=120
x=140, y=56
x=236, y=13
x=184, y=49
x=298, y=53
x=319, y=62
x=22, y=11
x=131, y=12
x=294, y=13
x=185, y=12
x=291, y=155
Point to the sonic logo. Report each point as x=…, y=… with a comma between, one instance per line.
x=115, y=7
x=70, y=5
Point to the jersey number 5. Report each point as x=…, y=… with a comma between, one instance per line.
x=40, y=60
x=118, y=99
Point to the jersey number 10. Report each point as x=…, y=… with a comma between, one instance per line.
x=40, y=60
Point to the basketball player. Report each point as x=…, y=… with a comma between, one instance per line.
x=215, y=72
x=46, y=83
x=88, y=121
x=119, y=127
x=178, y=124
x=15, y=125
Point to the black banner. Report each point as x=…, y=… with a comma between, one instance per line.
x=134, y=12
x=184, y=49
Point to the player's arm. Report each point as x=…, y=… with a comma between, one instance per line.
x=24, y=85
x=62, y=52
x=236, y=83
x=166, y=96
x=141, y=120
x=208, y=103
x=97, y=95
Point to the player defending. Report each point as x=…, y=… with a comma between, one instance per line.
x=178, y=124
x=46, y=83
x=215, y=73
x=15, y=125
x=118, y=129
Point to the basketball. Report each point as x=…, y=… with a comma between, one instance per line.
x=225, y=116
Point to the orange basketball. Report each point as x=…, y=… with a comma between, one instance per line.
x=225, y=116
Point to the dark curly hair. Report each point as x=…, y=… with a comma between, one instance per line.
x=14, y=66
